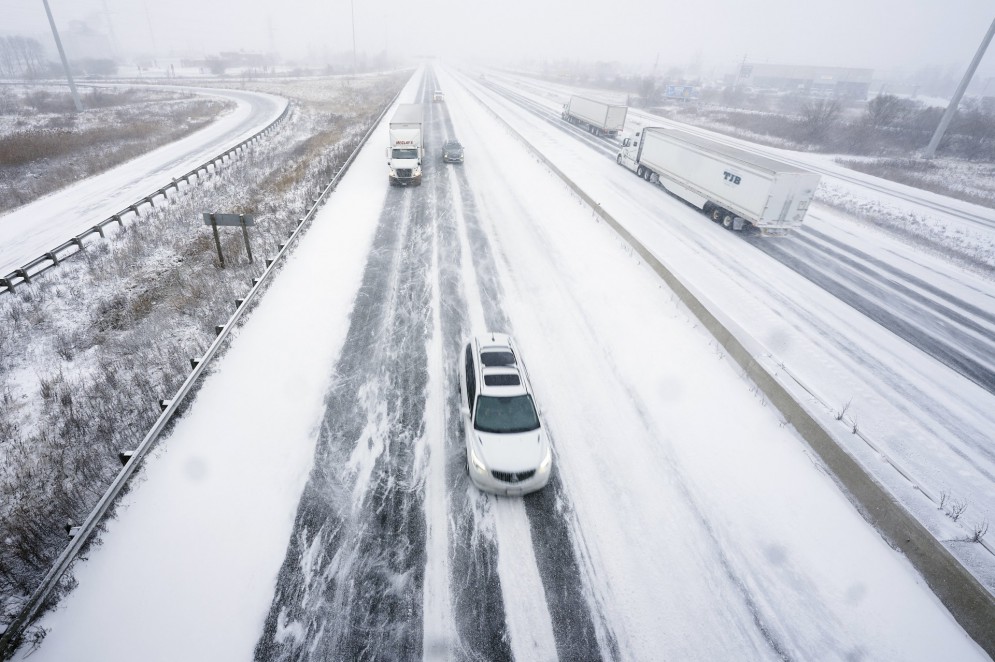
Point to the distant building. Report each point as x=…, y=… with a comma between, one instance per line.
x=841, y=82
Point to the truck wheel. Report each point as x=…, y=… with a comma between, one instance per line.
x=641, y=172
x=727, y=221
x=716, y=214
x=648, y=175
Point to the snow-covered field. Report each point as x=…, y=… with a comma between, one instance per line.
x=312, y=502
x=23, y=237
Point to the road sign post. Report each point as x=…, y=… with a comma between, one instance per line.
x=236, y=220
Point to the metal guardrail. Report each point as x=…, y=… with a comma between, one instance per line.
x=52, y=258
x=10, y=639
x=968, y=601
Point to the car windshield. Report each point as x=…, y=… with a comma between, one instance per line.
x=507, y=415
x=452, y=144
x=405, y=154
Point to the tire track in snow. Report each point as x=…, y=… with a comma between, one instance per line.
x=926, y=325
x=764, y=624
x=478, y=613
x=351, y=584
x=575, y=627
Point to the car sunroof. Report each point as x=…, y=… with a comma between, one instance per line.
x=506, y=379
x=497, y=358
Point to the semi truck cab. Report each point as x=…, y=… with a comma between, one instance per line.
x=628, y=153
x=404, y=163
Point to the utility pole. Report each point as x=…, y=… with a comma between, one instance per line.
x=65, y=60
x=110, y=29
x=955, y=101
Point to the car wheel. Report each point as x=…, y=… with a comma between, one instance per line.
x=618, y=159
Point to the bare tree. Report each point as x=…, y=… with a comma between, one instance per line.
x=819, y=116
x=883, y=110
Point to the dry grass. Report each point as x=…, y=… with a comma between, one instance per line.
x=931, y=176
x=52, y=151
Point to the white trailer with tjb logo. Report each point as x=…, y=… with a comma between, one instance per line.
x=733, y=186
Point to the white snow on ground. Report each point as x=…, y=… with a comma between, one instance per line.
x=689, y=492
x=704, y=529
x=186, y=570
x=29, y=231
x=924, y=415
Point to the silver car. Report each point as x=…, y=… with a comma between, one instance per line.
x=507, y=449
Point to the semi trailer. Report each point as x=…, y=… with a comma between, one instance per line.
x=599, y=118
x=405, y=149
x=731, y=185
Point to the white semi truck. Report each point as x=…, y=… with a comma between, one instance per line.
x=597, y=117
x=733, y=186
x=405, y=151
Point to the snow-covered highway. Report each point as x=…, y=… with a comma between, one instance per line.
x=313, y=502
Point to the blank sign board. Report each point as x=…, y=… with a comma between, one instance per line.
x=227, y=219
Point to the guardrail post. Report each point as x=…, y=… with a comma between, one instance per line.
x=100, y=230
x=218, y=329
x=163, y=404
x=23, y=274
x=125, y=456
x=51, y=256
x=194, y=363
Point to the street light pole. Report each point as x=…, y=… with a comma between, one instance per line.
x=65, y=60
x=948, y=115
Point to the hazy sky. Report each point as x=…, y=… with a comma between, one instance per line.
x=880, y=34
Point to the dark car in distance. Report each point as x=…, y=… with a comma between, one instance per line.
x=452, y=151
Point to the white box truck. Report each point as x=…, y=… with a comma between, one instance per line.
x=733, y=186
x=405, y=150
x=597, y=117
